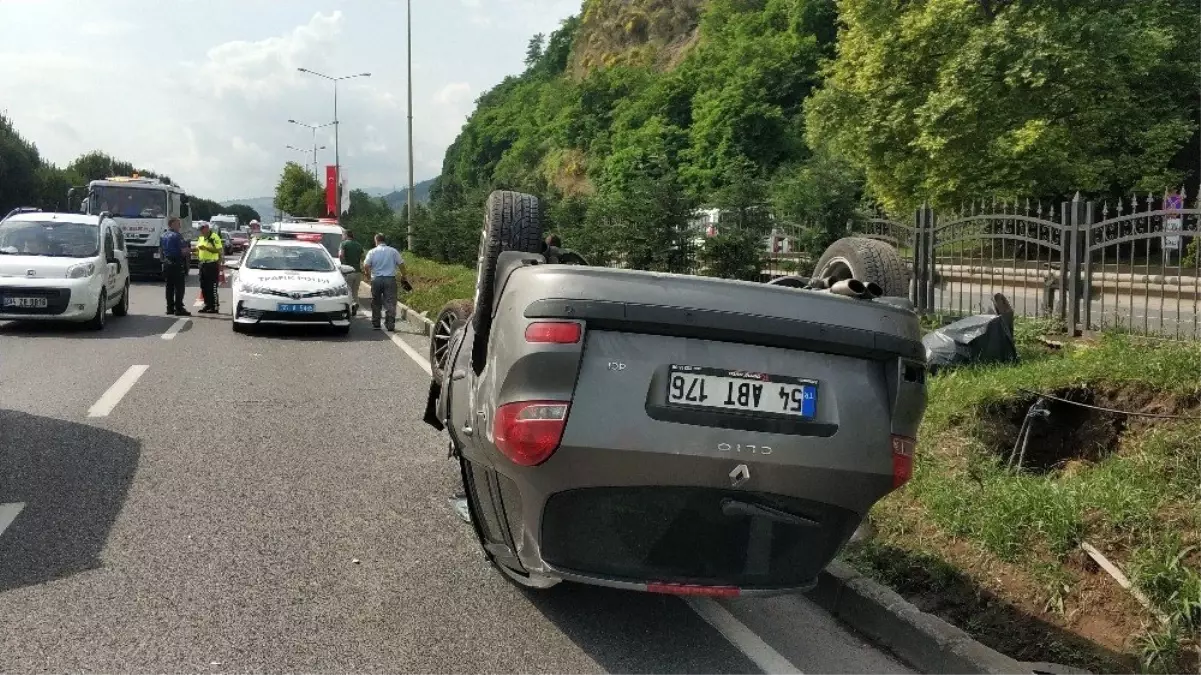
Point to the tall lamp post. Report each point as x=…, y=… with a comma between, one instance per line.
x=409, y=26
x=337, y=156
x=313, y=152
x=313, y=128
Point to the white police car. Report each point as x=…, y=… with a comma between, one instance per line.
x=289, y=281
x=62, y=266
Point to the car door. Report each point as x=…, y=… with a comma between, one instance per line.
x=112, y=263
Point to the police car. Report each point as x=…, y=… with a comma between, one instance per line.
x=62, y=266
x=289, y=281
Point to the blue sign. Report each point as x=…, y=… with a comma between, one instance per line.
x=1173, y=202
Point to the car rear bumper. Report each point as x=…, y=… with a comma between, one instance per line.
x=640, y=521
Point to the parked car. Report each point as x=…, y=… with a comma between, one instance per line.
x=663, y=432
x=62, y=266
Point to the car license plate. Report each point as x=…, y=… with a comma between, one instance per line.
x=26, y=303
x=742, y=391
x=295, y=308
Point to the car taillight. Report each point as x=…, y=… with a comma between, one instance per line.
x=691, y=589
x=528, y=432
x=902, y=460
x=555, y=332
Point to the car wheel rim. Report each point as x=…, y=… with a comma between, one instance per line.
x=441, y=339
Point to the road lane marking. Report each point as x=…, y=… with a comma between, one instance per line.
x=745, y=639
x=8, y=513
x=413, y=354
x=115, y=393
x=174, y=329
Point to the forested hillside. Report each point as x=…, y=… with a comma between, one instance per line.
x=633, y=113
x=27, y=179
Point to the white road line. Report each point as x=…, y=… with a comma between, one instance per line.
x=174, y=329
x=413, y=354
x=753, y=646
x=8, y=513
x=198, y=304
x=115, y=393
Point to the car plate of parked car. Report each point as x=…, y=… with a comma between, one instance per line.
x=741, y=391
x=25, y=303
x=299, y=309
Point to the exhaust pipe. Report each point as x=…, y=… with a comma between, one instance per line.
x=873, y=289
x=851, y=288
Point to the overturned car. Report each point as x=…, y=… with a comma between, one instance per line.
x=663, y=432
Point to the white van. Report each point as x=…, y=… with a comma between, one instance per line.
x=62, y=267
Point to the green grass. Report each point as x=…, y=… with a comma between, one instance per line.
x=435, y=284
x=1138, y=502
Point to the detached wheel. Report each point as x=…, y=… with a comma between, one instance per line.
x=512, y=222
x=122, y=309
x=868, y=260
x=451, y=317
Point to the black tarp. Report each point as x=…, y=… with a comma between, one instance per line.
x=985, y=338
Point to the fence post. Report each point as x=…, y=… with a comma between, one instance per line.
x=915, y=293
x=1071, y=298
x=1086, y=240
x=923, y=265
x=931, y=221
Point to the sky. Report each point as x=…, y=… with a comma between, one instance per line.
x=202, y=90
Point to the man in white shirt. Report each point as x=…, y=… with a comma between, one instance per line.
x=382, y=265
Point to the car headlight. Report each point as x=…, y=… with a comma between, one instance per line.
x=81, y=271
x=336, y=291
x=253, y=288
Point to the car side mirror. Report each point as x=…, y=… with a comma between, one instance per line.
x=346, y=269
x=233, y=265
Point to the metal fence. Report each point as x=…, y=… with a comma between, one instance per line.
x=1130, y=265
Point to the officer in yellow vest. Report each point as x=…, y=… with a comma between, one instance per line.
x=209, y=249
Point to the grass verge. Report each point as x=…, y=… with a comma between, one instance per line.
x=435, y=284
x=996, y=549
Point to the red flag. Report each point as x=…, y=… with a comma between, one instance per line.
x=331, y=190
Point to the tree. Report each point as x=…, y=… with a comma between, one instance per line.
x=298, y=193
x=946, y=101
x=244, y=213
x=533, y=52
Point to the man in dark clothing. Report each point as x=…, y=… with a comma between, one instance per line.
x=175, y=253
x=351, y=253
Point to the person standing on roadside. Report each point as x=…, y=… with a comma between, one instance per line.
x=382, y=265
x=175, y=253
x=209, y=251
x=351, y=253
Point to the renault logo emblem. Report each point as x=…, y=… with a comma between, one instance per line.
x=740, y=475
x=295, y=296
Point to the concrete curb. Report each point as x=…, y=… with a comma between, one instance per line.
x=922, y=640
x=406, y=312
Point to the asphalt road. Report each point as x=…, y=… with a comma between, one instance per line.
x=175, y=497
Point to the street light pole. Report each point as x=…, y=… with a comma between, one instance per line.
x=410, y=78
x=314, y=128
x=337, y=156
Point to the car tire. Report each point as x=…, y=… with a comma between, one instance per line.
x=99, y=319
x=451, y=317
x=867, y=260
x=512, y=222
x=122, y=308
x=342, y=330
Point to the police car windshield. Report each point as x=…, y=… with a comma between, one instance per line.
x=49, y=238
x=288, y=258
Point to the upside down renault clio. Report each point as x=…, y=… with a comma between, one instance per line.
x=668, y=433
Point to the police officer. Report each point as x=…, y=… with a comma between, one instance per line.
x=175, y=252
x=208, y=252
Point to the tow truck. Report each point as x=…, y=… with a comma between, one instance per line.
x=142, y=207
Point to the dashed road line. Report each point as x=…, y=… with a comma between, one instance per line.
x=736, y=632
x=8, y=513
x=742, y=637
x=115, y=393
x=174, y=329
